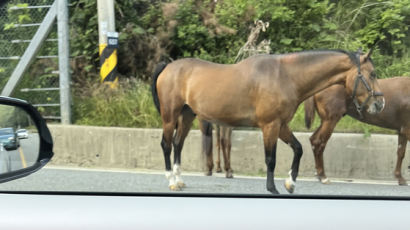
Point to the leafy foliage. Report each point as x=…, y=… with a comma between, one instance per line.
x=215, y=31
x=154, y=30
x=151, y=31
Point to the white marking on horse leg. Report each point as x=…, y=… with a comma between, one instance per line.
x=325, y=181
x=172, y=185
x=290, y=177
x=290, y=183
x=178, y=179
x=313, y=148
x=399, y=146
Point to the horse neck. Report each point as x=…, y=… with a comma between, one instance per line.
x=322, y=74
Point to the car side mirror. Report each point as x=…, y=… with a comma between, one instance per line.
x=26, y=144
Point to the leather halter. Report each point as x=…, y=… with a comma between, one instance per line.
x=370, y=91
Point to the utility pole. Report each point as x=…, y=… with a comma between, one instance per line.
x=108, y=42
x=63, y=61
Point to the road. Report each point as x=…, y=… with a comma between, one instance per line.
x=66, y=179
x=24, y=156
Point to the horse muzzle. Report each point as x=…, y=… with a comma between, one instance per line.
x=377, y=106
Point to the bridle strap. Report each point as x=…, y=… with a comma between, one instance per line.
x=371, y=93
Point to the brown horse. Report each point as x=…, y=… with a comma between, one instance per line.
x=261, y=91
x=333, y=103
x=223, y=141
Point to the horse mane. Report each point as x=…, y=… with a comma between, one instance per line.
x=350, y=54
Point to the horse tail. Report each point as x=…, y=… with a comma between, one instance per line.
x=158, y=70
x=309, y=111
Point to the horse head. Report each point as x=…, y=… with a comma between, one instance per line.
x=362, y=85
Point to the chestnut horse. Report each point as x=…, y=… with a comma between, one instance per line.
x=333, y=103
x=261, y=91
x=223, y=142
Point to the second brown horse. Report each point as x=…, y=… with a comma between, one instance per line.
x=333, y=103
x=223, y=143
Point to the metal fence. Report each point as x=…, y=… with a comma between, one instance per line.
x=19, y=21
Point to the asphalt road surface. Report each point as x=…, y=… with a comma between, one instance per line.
x=26, y=155
x=74, y=179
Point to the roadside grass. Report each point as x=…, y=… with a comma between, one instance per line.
x=131, y=105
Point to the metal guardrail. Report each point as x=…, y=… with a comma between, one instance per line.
x=26, y=25
x=19, y=57
x=23, y=51
x=28, y=7
x=28, y=41
x=39, y=89
x=46, y=105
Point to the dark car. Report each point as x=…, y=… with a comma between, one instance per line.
x=9, y=139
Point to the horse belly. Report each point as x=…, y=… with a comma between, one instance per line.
x=224, y=112
x=231, y=122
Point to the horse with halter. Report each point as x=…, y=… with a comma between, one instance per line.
x=261, y=91
x=334, y=102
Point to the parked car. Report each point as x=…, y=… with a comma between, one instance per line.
x=22, y=133
x=9, y=139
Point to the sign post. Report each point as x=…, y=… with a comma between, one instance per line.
x=108, y=42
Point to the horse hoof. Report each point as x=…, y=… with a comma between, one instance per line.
x=218, y=170
x=324, y=180
x=174, y=187
x=289, y=185
x=229, y=174
x=181, y=184
x=403, y=183
x=209, y=173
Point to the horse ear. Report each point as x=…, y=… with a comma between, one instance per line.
x=367, y=55
x=372, y=47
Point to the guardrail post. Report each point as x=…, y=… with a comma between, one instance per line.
x=108, y=42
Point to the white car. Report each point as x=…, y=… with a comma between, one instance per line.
x=22, y=133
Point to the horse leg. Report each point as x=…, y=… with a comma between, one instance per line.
x=287, y=136
x=318, y=141
x=270, y=137
x=169, y=116
x=168, y=130
x=219, y=129
x=183, y=127
x=404, y=136
x=226, y=150
x=206, y=129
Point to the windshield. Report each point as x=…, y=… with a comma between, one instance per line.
x=214, y=97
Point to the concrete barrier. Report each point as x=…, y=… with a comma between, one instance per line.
x=346, y=156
